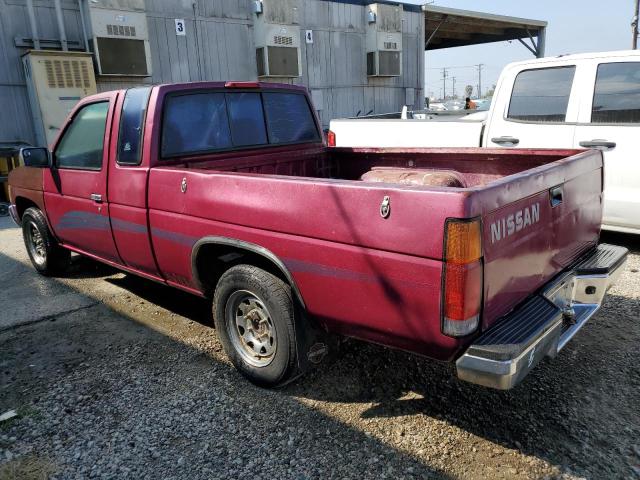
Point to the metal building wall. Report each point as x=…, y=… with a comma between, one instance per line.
x=219, y=46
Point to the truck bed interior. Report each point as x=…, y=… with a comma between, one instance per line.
x=459, y=168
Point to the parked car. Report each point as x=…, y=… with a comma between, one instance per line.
x=577, y=101
x=488, y=258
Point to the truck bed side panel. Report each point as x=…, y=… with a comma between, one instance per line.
x=333, y=210
x=388, y=298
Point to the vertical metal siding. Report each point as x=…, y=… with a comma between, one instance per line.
x=219, y=45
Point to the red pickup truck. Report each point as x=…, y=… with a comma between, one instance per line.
x=488, y=258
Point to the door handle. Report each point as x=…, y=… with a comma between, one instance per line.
x=510, y=140
x=555, y=196
x=96, y=197
x=598, y=144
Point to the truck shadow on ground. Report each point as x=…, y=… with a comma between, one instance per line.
x=116, y=363
x=552, y=415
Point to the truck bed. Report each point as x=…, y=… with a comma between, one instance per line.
x=475, y=166
x=310, y=204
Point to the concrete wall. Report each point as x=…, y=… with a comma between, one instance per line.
x=219, y=46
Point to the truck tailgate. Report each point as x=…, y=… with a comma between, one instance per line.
x=538, y=224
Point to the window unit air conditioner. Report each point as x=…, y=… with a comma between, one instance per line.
x=383, y=63
x=277, y=40
x=120, y=37
x=384, y=40
x=56, y=81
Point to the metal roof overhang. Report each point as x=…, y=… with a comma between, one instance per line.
x=450, y=27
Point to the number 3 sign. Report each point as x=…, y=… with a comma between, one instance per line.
x=180, y=26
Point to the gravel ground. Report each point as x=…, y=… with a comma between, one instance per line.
x=126, y=379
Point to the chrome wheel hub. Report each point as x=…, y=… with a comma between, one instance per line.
x=37, y=244
x=251, y=328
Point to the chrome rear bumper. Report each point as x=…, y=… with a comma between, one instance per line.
x=13, y=212
x=544, y=324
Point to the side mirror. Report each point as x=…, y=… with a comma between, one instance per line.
x=35, y=157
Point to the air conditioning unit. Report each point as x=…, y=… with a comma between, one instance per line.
x=56, y=81
x=277, y=39
x=120, y=37
x=384, y=40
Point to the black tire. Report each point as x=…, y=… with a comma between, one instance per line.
x=272, y=301
x=47, y=257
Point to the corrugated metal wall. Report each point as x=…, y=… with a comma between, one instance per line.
x=219, y=46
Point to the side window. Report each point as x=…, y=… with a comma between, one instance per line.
x=82, y=143
x=195, y=123
x=246, y=119
x=289, y=118
x=132, y=126
x=616, y=98
x=541, y=95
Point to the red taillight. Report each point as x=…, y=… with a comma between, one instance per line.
x=242, y=85
x=463, y=272
x=331, y=138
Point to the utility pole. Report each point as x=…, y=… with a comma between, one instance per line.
x=453, y=94
x=480, y=65
x=634, y=26
x=444, y=84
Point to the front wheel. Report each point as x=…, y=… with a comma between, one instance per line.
x=46, y=255
x=254, y=316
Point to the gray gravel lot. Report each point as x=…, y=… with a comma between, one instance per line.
x=113, y=376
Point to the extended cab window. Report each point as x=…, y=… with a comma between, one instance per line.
x=289, y=118
x=132, y=126
x=82, y=143
x=617, y=93
x=541, y=95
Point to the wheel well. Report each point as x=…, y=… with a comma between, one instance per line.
x=211, y=260
x=22, y=204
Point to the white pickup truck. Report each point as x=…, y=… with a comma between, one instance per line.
x=575, y=101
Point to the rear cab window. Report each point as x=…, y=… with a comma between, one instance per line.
x=616, y=97
x=541, y=95
x=211, y=121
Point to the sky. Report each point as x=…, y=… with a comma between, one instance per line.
x=574, y=26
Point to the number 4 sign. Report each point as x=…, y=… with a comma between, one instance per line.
x=180, y=26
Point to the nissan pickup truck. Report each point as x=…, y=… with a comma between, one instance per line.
x=590, y=100
x=488, y=258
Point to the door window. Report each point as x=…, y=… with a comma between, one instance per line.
x=541, y=95
x=617, y=93
x=82, y=143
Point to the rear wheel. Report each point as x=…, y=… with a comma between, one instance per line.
x=254, y=317
x=46, y=255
